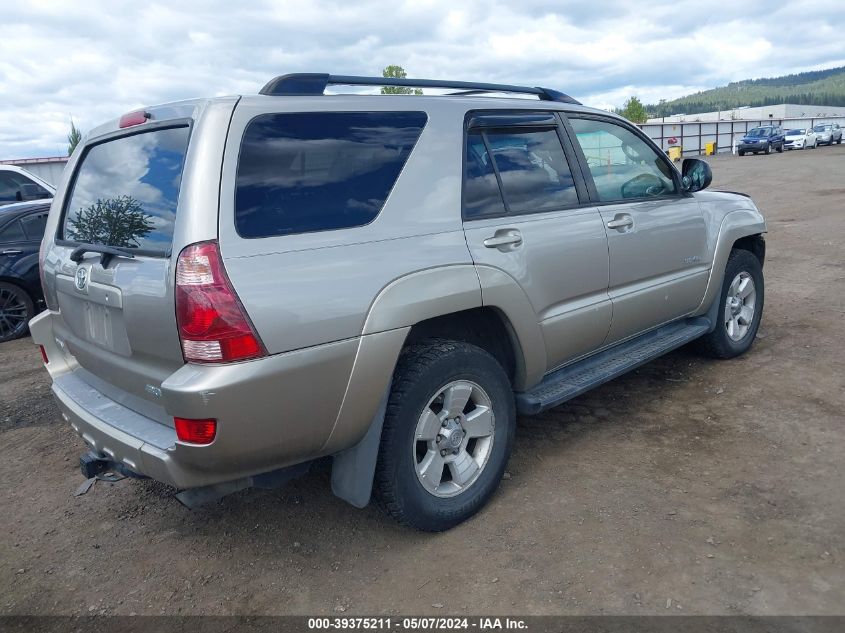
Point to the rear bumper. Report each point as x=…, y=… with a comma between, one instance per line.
x=271, y=412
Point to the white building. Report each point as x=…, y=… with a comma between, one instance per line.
x=780, y=111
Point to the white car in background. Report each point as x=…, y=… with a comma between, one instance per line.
x=19, y=185
x=800, y=139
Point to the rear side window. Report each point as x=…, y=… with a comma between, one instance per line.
x=12, y=232
x=34, y=226
x=531, y=166
x=319, y=171
x=126, y=190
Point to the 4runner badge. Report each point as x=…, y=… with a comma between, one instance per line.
x=81, y=278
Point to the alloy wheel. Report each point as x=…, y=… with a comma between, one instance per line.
x=739, y=306
x=454, y=438
x=13, y=313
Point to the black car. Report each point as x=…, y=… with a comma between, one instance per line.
x=21, y=229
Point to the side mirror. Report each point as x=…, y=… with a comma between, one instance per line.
x=18, y=196
x=697, y=175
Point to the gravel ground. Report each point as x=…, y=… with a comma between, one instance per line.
x=690, y=486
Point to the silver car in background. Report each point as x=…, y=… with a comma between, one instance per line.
x=828, y=133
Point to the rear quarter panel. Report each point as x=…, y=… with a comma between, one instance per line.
x=312, y=288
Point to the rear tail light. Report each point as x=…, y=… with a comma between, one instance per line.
x=213, y=325
x=195, y=431
x=44, y=354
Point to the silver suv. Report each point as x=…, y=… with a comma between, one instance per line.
x=240, y=285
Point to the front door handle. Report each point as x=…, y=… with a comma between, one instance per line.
x=622, y=221
x=504, y=238
x=11, y=252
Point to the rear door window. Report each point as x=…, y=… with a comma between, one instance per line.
x=530, y=165
x=126, y=191
x=319, y=171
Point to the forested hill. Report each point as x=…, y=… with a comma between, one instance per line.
x=818, y=87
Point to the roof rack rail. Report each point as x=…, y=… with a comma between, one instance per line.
x=312, y=84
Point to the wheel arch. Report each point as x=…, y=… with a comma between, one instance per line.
x=443, y=302
x=742, y=228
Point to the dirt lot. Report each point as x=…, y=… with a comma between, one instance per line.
x=690, y=486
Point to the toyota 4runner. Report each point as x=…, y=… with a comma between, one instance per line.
x=237, y=286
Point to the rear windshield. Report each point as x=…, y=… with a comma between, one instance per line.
x=126, y=190
x=319, y=171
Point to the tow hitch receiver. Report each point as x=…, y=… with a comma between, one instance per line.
x=93, y=465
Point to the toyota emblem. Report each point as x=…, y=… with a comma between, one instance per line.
x=81, y=278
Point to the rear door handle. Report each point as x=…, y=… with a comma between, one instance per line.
x=504, y=238
x=11, y=252
x=621, y=222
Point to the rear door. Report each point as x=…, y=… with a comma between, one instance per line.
x=116, y=315
x=526, y=213
x=657, y=239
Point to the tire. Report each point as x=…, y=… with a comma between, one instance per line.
x=726, y=340
x=780, y=148
x=768, y=149
x=426, y=375
x=16, y=309
x=741, y=153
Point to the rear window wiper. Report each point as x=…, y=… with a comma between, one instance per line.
x=106, y=253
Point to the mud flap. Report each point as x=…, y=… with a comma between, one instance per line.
x=353, y=469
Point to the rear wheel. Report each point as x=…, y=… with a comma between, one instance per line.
x=448, y=433
x=768, y=149
x=16, y=309
x=741, y=307
x=780, y=148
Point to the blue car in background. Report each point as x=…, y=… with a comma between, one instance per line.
x=761, y=139
x=21, y=229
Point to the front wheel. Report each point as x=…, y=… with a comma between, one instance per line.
x=741, y=153
x=448, y=432
x=741, y=307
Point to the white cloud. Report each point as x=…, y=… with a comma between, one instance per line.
x=96, y=60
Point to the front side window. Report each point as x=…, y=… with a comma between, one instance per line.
x=531, y=166
x=622, y=164
x=320, y=171
x=16, y=187
x=126, y=191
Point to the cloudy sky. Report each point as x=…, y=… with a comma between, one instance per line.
x=96, y=60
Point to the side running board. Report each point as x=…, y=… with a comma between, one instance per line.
x=573, y=380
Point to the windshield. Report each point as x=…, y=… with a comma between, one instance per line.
x=758, y=132
x=821, y=128
x=795, y=132
x=126, y=190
